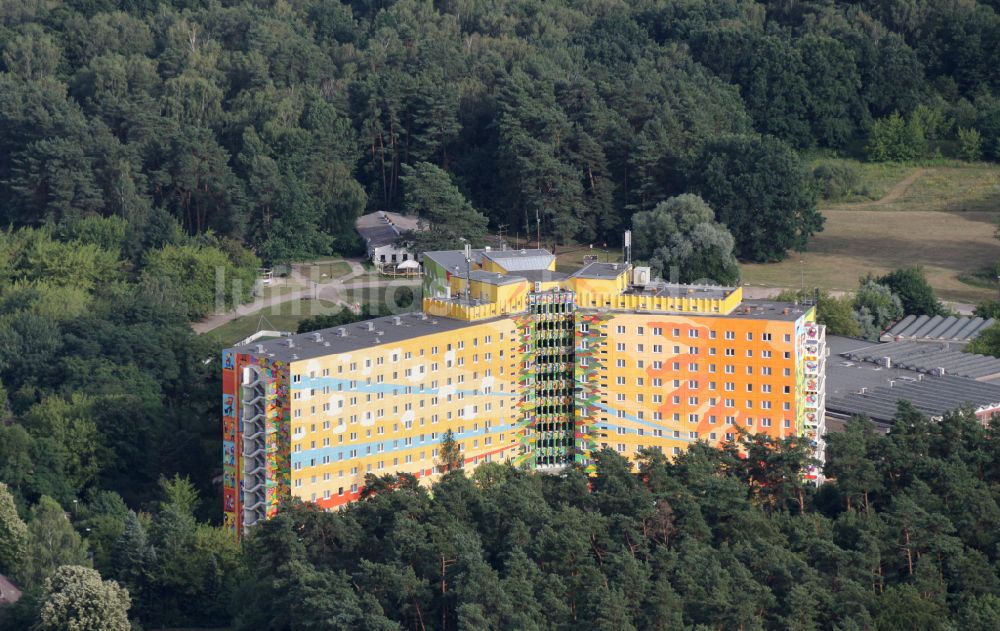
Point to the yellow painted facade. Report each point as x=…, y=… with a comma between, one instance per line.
x=540, y=371
x=386, y=408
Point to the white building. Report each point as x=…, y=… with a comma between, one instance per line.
x=381, y=231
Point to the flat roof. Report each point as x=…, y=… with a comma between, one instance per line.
x=926, y=357
x=494, y=278
x=605, y=271
x=768, y=310
x=358, y=336
x=848, y=373
x=539, y=275
x=934, y=396
x=676, y=290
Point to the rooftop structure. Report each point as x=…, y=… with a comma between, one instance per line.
x=523, y=364
x=861, y=380
x=944, y=328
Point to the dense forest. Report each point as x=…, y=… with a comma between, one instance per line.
x=277, y=123
x=147, y=144
x=904, y=537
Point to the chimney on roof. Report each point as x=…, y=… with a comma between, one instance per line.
x=260, y=348
x=397, y=320
x=291, y=343
x=523, y=251
x=371, y=325
x=342, y=332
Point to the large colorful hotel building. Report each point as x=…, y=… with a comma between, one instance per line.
x=522, y=364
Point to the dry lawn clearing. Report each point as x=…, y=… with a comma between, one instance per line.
x=943, y=220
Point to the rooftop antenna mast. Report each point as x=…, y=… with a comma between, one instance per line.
x=468, y=271
x=628, y=247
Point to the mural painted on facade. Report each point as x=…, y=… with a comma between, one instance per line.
x=542, y=388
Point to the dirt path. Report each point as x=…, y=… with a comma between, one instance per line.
x=899, y=189
x=892, y=195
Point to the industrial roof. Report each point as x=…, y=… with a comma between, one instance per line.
x=357, y=336
x=382, y=228
x=933, y=396
x=519, y=260
x=848, y=373
x=606, y=271
x=946, y=358
x=951, y=328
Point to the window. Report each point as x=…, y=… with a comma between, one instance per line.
x=730, y=335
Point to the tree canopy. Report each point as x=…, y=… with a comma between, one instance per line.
x=681, y=235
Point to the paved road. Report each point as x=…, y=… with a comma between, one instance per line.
x=329, y=292
x=760, y=292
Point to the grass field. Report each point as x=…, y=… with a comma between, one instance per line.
x=941, y=218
